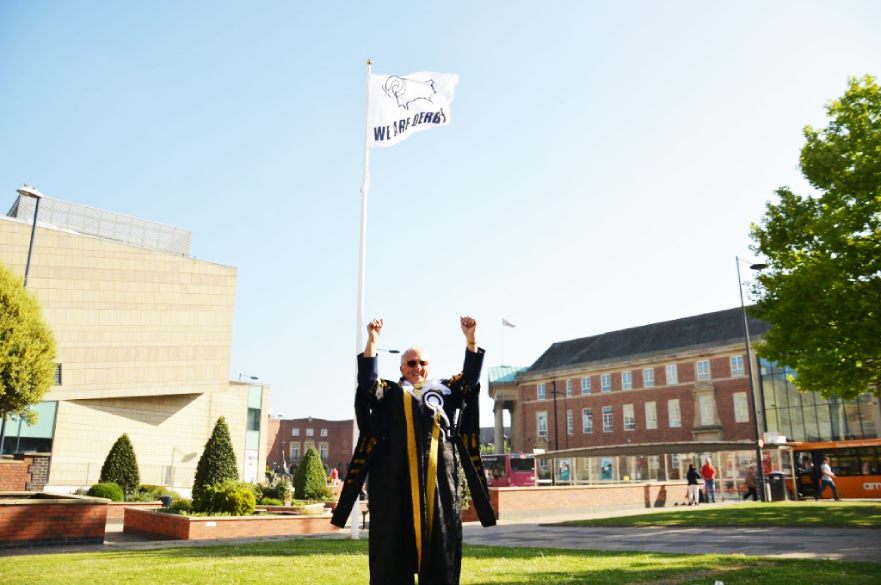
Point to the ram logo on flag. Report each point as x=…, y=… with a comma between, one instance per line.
x=400, y=106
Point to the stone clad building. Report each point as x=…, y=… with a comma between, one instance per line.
x=144, y=335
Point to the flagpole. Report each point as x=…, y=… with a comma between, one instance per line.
x=359, y=326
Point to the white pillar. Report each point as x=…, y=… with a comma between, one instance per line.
x=499, y=434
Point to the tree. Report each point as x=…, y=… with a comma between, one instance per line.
x=310, y=481
x=216, y=465
x=822, y=290
x=121, y=466
x=27, y=351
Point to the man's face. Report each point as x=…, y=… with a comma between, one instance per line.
x=414, y=366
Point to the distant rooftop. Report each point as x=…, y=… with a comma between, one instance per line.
x=104, y=224
x=715, y=328
x=504, y=374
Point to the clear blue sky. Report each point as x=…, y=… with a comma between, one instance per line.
x=602, y=168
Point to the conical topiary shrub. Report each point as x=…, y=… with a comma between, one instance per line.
x=217, y=464
x=121, y=466
x=310, y=481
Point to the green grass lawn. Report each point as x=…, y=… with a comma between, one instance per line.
x=344, y=562
x=793, y=514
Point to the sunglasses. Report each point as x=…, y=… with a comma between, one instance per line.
x=414, y=363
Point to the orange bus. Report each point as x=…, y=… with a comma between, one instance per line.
x=855, y=463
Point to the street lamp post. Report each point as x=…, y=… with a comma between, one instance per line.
x=28, y=191
x=752, y=389
x=25, y=191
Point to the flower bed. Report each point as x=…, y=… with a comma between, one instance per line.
x=177, y=527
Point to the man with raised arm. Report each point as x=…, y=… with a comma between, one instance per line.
x=415, y=434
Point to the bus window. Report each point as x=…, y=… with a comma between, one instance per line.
x=844, y=462
x=494, y=465
x=522, y=464
x=869, y=460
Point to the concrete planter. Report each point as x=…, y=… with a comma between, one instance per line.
x=39, y=519
x=177, y=527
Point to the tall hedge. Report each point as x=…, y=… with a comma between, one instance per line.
x=121, y=466
x=310, y=481
x=217, y=464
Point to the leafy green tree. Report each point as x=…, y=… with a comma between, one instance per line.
x=121, y=466
x=27, y=350
x=310, y=481
x=822, y=290
x=217, y=464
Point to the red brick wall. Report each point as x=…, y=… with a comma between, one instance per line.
x=649, y=495
x=45, y=521
x=218, y=527
x=116, y=510
x=24, y=473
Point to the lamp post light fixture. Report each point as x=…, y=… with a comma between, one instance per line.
x=28, y=191
x=752, y=387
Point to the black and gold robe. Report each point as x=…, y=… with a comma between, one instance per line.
x=411, y=455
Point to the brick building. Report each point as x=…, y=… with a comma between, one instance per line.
x=290, y=438
x=646, y=401
x=674, y=381
x=668, y=384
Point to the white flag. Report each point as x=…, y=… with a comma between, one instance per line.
x=507, y=323
x=400, y=106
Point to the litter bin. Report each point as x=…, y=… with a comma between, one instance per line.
x=777, y=483
x=166, y=501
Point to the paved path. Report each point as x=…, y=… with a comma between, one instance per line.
x=528, y=530
x=853, y=544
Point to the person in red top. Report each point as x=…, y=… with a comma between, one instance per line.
x=708, y=472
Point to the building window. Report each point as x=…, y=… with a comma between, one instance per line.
x=295, y=452
x=310, y=432
x=707, y=408
x=672, y=372
x=322, y=451
x=540, y=391
x=253, y=419
x=608, y=423
x=627, y=380
x=568, y=387
x=629, y=420
x=541, y=424
x=651, y=415
x=323, y=432
x=570, y=422
x=295, y=432
x=57, y=375
x=703, y=370
x=741, y=408
x=737, y=365
x=606, y=383
x=673, y=414
x=585, y=385
x=586, y=420
x=648, y=377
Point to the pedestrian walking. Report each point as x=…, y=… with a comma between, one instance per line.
x=827, y=479
x=693, y=478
